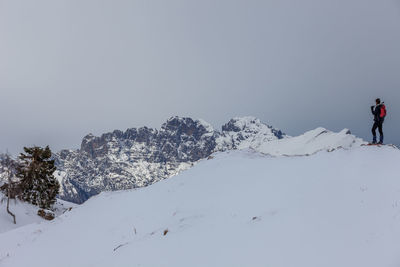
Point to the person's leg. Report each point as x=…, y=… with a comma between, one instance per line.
x=380, y=133
x=374, y=132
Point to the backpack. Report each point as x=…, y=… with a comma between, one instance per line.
x=383, y=111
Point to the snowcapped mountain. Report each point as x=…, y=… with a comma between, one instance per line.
x=139, y=157
x=241, y=208
x=309, y=143
x=246, y=132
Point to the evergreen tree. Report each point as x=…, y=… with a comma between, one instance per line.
x=37, y=181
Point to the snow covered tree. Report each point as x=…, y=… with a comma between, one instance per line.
x=8, y=168
x=37, y=182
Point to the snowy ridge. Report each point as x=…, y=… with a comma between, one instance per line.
x=239, y=209
x=142, y=156
x=309, y=143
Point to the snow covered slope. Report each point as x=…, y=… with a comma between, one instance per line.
x=309, y=143
x=25, y=213
x=139, y=157
x=239, y=209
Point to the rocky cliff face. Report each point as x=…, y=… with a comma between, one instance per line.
x=141, y=156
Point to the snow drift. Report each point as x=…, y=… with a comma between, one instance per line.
x=239, y=209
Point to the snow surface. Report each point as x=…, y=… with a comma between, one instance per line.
x=25, y=213
x=241, y=208
x=309, y=143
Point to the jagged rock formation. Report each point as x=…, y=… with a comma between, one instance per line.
x=246, y=132
x=139, y=157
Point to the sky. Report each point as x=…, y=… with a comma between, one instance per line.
x=73, y=67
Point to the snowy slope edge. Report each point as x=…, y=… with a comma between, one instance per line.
x=309, y=143
x=331, y=209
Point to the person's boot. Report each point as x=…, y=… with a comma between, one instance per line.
x=380, y=139
x=374, y=140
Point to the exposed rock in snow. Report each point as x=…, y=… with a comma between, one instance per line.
x=246, y=132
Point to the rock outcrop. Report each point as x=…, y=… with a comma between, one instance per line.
x=141, y=156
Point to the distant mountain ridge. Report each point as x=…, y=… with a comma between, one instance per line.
x=141, y=156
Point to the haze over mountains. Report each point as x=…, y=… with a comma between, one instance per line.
x=290, y=187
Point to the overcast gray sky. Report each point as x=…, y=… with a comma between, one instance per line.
x=72, y=67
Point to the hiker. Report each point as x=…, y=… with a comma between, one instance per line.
x=379, y=112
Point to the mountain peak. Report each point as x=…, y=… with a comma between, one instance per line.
x=240, y=123
x=187, y=126
x=245, y=132
x=141, y=156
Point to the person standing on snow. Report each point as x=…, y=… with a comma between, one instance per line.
x=379, y=112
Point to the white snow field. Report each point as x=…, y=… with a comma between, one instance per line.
x=241, y=208
x=25, y=213
x=309, y=143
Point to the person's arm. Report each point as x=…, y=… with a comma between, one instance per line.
x=372, y=110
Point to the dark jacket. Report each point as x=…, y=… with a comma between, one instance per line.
x=376, y=111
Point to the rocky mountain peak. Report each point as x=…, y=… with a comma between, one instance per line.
x=245, y=132
x=141, y=156
x=238, y=124
x=250, y=125
x=180, y=126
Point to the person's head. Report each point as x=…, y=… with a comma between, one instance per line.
x=377, y=101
